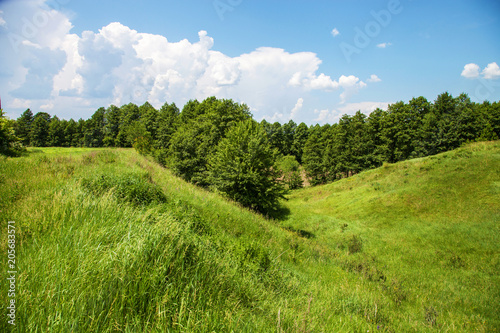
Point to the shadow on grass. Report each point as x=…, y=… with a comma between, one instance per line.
x=281, y=213
x=300, y=232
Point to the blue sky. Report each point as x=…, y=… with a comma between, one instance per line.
x=309, y=61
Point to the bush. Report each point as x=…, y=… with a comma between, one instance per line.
x=243, y=168
x=131, y=188
x=290, y=168
x=10, y=145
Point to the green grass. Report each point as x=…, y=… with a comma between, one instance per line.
x=108, y=241
x=430, y=234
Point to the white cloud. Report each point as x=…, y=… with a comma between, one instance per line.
x=333, y=116
x=298, y=106
x=2, y=21
x=335, y=32
x=66, y=73
x=42, y=64
x=491, y=72
x=383, y=45
x=364, y=107
x=324, y=116
x=47, y=107
x=470, y=71
x=351, y=85
x=373, y=78
x=20, y=103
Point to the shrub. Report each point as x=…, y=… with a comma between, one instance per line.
x=10, y=145
x=243, y=168
x=290, y=168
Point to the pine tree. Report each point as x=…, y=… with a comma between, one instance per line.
x=39, y=133
x=23, y=127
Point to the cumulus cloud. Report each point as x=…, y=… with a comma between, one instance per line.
x=324, y=116
x=101, y=57
x=351, y=85
x=298, y=106
x=383, y=45
x=491, y=72
x=471, y=71
x=42, y=65
x=57, y=70
x=335, y=32
x=373, y=78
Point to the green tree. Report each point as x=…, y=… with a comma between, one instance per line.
x=79, y=136
x=299, y=141
x=243, y=167
x=195, y=141
x=288, y=131
x=149, y=117
x=129, y=113
x=168, y=123
x=374, y=128
x=277, y=138
x=444, y=109
x=111, y=126
x=398, y=132
x=23, y=127
x=290, y=169
x=39, y=134
x=10, y=144
x=56, y=133
x=69, y=133
x=361, y=148
x=141, y=138
x=94, y=129
x=420, y=109
x=313, y=156
x=190, y=111
x=490, y=114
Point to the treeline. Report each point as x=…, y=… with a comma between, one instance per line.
x=195, y=142
x=406, y=130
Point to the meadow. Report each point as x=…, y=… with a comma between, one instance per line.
x=107, y=240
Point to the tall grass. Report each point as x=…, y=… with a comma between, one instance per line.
x=108, y=241
x=92, y=259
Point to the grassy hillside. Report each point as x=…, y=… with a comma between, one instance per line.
x=420, y=239
x=108, y=241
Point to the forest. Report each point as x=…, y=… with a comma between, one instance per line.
x=216, y=143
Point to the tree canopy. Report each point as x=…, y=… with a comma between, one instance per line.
x=243, y=167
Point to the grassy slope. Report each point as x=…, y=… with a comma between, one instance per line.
x=426, y=250
x=93, y=263
x=430, y=238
